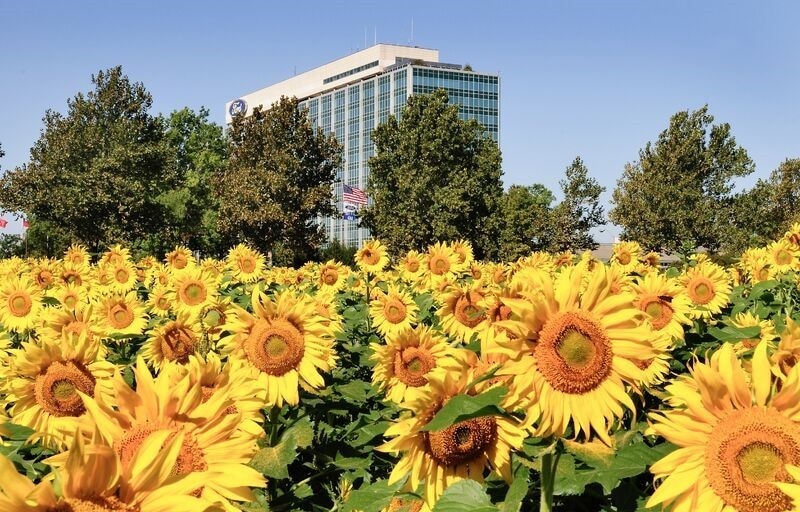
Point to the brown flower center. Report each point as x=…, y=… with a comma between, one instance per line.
x=747, y=450
x=330, y=276
x=624, y=258
x=701, y=290
x=370, y=257
x=659, y=309
x=463, y=442
x=247, y=264
x=275, y=347
x=56, y=388
x=20, y=303
x=120, y=316
x=394, y=310
x=193, y=292
x=177, y=342
x=94, y=504
x=439, y=264
x=574, y=353
x=411, y=364
x=467, y=311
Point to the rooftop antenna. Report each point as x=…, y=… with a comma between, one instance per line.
x=365, y=37
x=412, y=30
x=376, y=35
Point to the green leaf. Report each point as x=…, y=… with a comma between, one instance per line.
x=355, y=391
x=302, y=432
x=369, y=432
x=465, y=407
x=517, y=490
x=352, y=462
x=464, y=496
x=731, y=333
x=372, y=497
x=758, y=289
x=274, y=461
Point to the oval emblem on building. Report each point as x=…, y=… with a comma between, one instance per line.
x=238, y=107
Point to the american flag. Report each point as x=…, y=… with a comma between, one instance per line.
x=354, y=195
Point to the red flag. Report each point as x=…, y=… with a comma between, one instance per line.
x=3, y=223
x=25, y=223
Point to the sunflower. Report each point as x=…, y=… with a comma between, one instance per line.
x=373, y=257
x=462, y=314
x=158, y=275
x=116, y=255
x=91, y=480
x=160, y=301
x=43, y=273
x=788, y=353
x=766, y=333
x=441, y=261
x=285, y=341
x=325, y=304
x=76, y=254
x=465, y=450
x=563, y=259
x=214, y=268
x=579, y=355
x=245, y=264
x=120, y=315
x=122, y=276
x=20, y=303
x=45, y=379
x=75, y=274
x=793, y=235
x=784, y=256
x=411, y=266
x=464, y=253
x=70, y=296
x=708, y=288
x=735, y=434
x=233, y=378
x=55, y=322
x=212, y=442
x=664, y=302
x=403, y=364
x=407, y=505
x=173, y=340
x=194, y=291
x=179, y=259
x=331, y=275
x=626, y=255
x=393, y=311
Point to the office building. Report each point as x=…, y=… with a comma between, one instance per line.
x=352, y=95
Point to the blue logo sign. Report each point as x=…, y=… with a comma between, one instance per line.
x=238, y=107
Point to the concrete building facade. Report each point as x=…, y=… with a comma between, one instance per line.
x=352, y=95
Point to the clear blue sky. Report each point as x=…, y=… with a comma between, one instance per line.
x=595, y=79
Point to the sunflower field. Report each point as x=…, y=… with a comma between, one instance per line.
x=432, y=383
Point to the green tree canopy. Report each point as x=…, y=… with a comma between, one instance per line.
x=680, y=189
x=92, y=173
x=198, y=149
x=277, y=182
x=434, y=177
x=526, y=221
x=579, y=211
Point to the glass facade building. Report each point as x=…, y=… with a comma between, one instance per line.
x=361, y=106
x=349, y=97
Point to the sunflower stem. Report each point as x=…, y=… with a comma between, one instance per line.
x=548, y=477
x=274, y=412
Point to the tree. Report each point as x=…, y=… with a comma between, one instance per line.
x=525, y=221
x=767, y=210
x=277, y=182
x=198, y=149
x=92, y=174
x=680, y=189
x=579, y=212
x=434, y=178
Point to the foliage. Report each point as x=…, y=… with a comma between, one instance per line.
x=680, y=189
x=277, y=182
x=434, y=177
x=338, y=251
x=767, y=210
x=11, y=245
x=525, y=220
x=579, y=212
x=93, y=171
x=198, y=147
